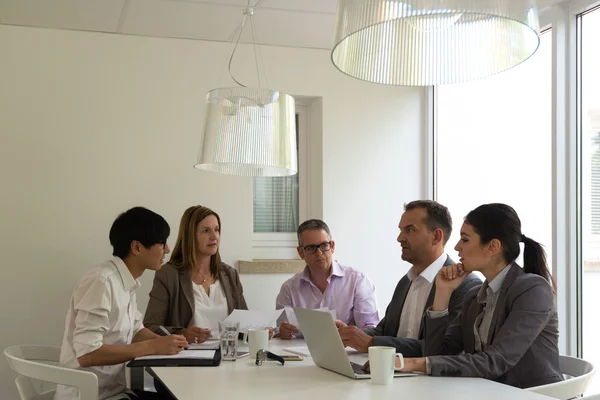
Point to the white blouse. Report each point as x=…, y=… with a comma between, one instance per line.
x=209, y=309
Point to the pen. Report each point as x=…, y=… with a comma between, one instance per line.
x=164, y=330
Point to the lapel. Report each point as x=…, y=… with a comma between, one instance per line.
x=227, y=289
x=396, y=313
x=185, y=279
x=512, y=275
x=468, y=322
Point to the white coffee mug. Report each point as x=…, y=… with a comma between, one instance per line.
x=382, y=362
x=257, y=339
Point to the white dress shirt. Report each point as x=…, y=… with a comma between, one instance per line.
x=103, y=310
x=414, y=305
x=211, y=308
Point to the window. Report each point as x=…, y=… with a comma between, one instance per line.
x=276, y=199
x=280, y=203
x=493, y=144
x=589, y=140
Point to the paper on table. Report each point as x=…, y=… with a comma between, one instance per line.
x=210, y=344
x=291, y=316
x=301, y=350
x=193, y=354
x=251, y=319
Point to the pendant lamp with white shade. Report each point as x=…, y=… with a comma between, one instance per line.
x=248, y=131
x=432, y=42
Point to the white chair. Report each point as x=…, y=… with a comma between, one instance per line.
x=34, y=362
x=578, y=374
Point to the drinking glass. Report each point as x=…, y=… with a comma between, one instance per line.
x=228, y=337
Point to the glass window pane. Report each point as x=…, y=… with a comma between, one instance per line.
x=494, y=145
x=275, y=201
x=590, y=185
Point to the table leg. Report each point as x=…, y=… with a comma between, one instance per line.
x=137, y=378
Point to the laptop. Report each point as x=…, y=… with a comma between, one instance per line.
x=326, y=347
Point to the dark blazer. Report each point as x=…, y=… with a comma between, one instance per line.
x=522, y=348
x=171, y=301
x=384, y=334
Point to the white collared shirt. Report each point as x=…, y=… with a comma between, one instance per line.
x=414, y=304
x=103, y=310
x=211, y=308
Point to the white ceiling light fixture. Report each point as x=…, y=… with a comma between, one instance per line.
x=432, y=42
x=249, y=131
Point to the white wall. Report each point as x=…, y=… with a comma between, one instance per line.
x=92, y=124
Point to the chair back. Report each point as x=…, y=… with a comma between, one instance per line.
x=578, y=375
x=28, y=391
x=34, y=362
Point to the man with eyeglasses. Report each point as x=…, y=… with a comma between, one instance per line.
x=425, y=227
x=326, y=284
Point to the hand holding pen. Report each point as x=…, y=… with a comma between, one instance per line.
x=169, y=344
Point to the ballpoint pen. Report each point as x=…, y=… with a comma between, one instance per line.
x=164, y=330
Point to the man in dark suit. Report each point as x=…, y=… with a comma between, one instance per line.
x=425, y=227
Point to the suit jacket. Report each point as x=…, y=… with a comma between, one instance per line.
x=384, y=334
x=522, y=348
x=172, y=303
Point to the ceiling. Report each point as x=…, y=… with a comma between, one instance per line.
x=293, y=23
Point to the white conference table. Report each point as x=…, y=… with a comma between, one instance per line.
x=304, y=380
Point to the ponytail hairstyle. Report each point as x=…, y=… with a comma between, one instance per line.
x=500, y=221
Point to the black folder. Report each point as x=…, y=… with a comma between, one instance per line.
x=178, y=362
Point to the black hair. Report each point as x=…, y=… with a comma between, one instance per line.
x=138, y=223
x=500, y=221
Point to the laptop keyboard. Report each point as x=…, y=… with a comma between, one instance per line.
x=358, y=369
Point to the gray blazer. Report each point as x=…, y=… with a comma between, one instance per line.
x=172, y=303
x=523, y=337
x=384, y=334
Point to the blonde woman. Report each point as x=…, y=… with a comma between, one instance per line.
x=195, y=289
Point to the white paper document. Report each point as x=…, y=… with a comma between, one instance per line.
x=251, y=319
x=291, y=316
x=300, y=350
x=184, y=354
x=210, y=344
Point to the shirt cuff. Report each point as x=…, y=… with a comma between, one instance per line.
x=427, y=366
x=436, y=314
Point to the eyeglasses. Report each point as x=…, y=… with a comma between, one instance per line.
x=312, y=248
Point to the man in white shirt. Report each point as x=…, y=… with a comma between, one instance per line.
x=103, y=327
x=425, y=227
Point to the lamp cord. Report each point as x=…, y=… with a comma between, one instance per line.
x=247, y=13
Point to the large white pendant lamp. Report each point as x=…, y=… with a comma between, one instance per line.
x=248, y=131
x=432, y=42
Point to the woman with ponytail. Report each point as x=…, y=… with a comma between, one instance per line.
x=508, y=328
